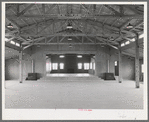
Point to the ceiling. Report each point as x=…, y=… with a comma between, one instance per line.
x=105, y=24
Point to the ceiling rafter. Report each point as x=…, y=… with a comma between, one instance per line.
x=58, y=28
x=77, y=25
x=46, y=26
x=43, y=9
x=62, y=39
x=9, y=6
x=113, y=10
x=26, y=9
x=65, y=43
x=106, y=43
x=78, y=39
x=50, y=8
x=121, y=7
x=30, y=13
x=80, y=10
x=133, y=9
x=92, y=21
x=87, y=36
x=105, y=26
x=86, y=9
x=137, y=25
x=43, y=16
x=90, y=39
x=41, y=23
x=51, y=39
x=58, y=8
x=100, y=9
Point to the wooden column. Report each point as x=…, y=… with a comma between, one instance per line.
x=44, y=64
x=21, y=66
x=137, y=69
x=120, y=64
x=32, y=66
x=108, y=66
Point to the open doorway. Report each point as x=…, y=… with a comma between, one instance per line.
x=116, y=65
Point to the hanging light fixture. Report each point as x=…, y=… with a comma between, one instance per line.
x=69, y=38
x=29, y=38
x=111, y=38
x=129, y=26
x=69, y=26
x=70, y=45
x=10, y=25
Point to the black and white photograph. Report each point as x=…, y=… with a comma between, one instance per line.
x=74, y=60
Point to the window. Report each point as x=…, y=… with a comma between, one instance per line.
x=127, y=42
x=61, y=65
x=17, y=44
x=54, y=66
x=79, y=56
x=61, y=56
x=115, y=63
x=86, y=66
x=132, y=40
x=79, y=65
x=122, y=44
x=91, y=65
x=141, y=36
x=12, y=42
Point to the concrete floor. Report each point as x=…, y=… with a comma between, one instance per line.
x=74, y=94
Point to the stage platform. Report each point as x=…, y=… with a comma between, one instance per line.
x=71, y=76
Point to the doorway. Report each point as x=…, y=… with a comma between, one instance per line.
x=116, y=64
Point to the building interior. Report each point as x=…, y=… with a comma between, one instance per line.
x=74, y=56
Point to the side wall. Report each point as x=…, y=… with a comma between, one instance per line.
x=12, y=68
x=128, y=64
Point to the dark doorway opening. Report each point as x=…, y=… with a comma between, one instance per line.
x=116, y=68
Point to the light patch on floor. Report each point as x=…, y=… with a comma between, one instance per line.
x=69, y=75
x=73, y=94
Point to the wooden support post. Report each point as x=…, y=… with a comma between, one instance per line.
x=120, y=64
x=32, y=66
x=44, y=64
x=21, y=65
x=108, y=67
x=137, y=69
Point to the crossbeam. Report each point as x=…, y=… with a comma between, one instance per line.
x=77, y=16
